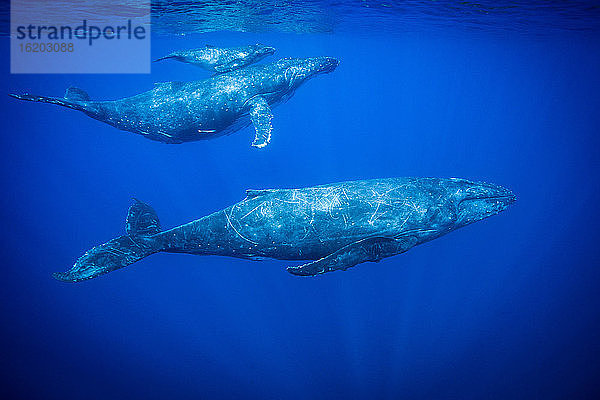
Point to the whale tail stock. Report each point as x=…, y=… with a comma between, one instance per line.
x=142, y=228
x=75, y=98
x=167, y=57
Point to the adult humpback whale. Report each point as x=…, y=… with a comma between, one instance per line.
x=221, y=60
x=177, y=112
x=337, y=226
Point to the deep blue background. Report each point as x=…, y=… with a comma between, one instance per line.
x=505, y=308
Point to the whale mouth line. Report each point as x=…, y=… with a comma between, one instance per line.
x=504, y=197
x=491, y=202
x=509, y=198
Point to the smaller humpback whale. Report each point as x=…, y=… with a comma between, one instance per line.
x=178, y=112
x=334, y=227
x=221, y=60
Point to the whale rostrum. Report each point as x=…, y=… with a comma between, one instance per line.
x=329, y=227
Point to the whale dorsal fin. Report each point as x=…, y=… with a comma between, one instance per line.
x=260, y=114
x=210, y=46
x=75, y=94
x=175, y=85
x=142, y=220
x=252, y=193
x=369, y=249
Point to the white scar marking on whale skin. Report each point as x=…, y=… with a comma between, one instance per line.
x=380, y=199
x=235, y=230
x=345, y=194
x=372, y=219
x=254, y=209
x=334, y=202
x=301, y=199
x=404, y=222
x=306, y=233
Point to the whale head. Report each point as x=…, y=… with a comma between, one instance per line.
x=295, y=71
x=431, y=207
x=474, y=201
x=262, y=50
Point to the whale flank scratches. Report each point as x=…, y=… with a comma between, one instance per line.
x=235, y=230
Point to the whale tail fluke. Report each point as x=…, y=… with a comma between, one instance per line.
x=141, y=240
x=75, y=98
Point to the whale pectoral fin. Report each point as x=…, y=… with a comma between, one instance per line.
x=370, y=249
x=260, y=114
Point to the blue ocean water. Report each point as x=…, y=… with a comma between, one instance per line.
x=504, y=308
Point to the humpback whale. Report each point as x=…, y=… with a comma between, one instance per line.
x=221, y=60
x=331, y=227
x=177, y=112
